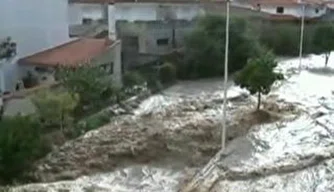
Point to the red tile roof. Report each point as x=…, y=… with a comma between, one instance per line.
x=71, y=54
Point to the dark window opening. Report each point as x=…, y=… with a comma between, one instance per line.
x=87, y=21
x=316, y=10
x=109, y=68
x=41, y=69
x=163, y=41
x=280, y=10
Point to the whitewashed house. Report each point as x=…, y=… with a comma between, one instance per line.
x=291, y=9
x=34, y=25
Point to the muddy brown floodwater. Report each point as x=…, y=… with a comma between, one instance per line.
x=176, y=129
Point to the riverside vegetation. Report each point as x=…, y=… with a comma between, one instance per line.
x=86, y=90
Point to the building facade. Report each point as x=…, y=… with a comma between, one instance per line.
x=148, y=30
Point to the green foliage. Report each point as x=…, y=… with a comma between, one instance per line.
x=92, y=84
x=30, y=80
x=93, y=122
x=132, y=78
x=258, y=75
x=323, y=39
x=284, y=38
x=167, y=73
x=55, y=108
x=205, y=47
x=20, y=144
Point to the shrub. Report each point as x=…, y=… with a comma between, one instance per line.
x=20, y=145
x=132, y=78
x=55, y=108
x=30, y=80
x=90, y=123
x=167, y=73
x=93, y=85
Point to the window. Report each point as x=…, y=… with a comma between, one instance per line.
x=162, y=42
x=109, y=68
x=87, y=21
x=316, y=10
x=280, y=10
x=41, y=69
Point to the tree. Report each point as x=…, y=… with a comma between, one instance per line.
x=55, y=108
x=258, y=75
x=91, y=83
x=20, y=144
x=204, y=50
x=7, y=48
x=323, y=40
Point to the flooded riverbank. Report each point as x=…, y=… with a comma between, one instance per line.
x=172, y=135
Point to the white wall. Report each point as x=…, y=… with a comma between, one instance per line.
x=35, y=25
x=78, y=11
x=75, y=14
x=149, y=12
x=294, y=10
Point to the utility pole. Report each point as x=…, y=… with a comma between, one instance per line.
x=301, y=36
x=225, y=72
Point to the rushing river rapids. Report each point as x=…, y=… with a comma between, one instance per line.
x=294, y=154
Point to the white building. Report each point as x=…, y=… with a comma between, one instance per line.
x=34, y=25
x=290, y=9
x=151, y=11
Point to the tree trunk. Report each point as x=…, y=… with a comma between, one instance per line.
x=258, y=101
x=327, y=58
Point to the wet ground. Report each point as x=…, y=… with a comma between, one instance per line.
x=174, y=134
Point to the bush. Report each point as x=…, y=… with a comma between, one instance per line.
x=30, y=80
x=55, y=108
x=20, y=145
x=93, y=85
x=132, y=78
x=167, y=73
x=90, y=123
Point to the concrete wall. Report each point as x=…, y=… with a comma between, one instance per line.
x=34, y=25
x=141, y=37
